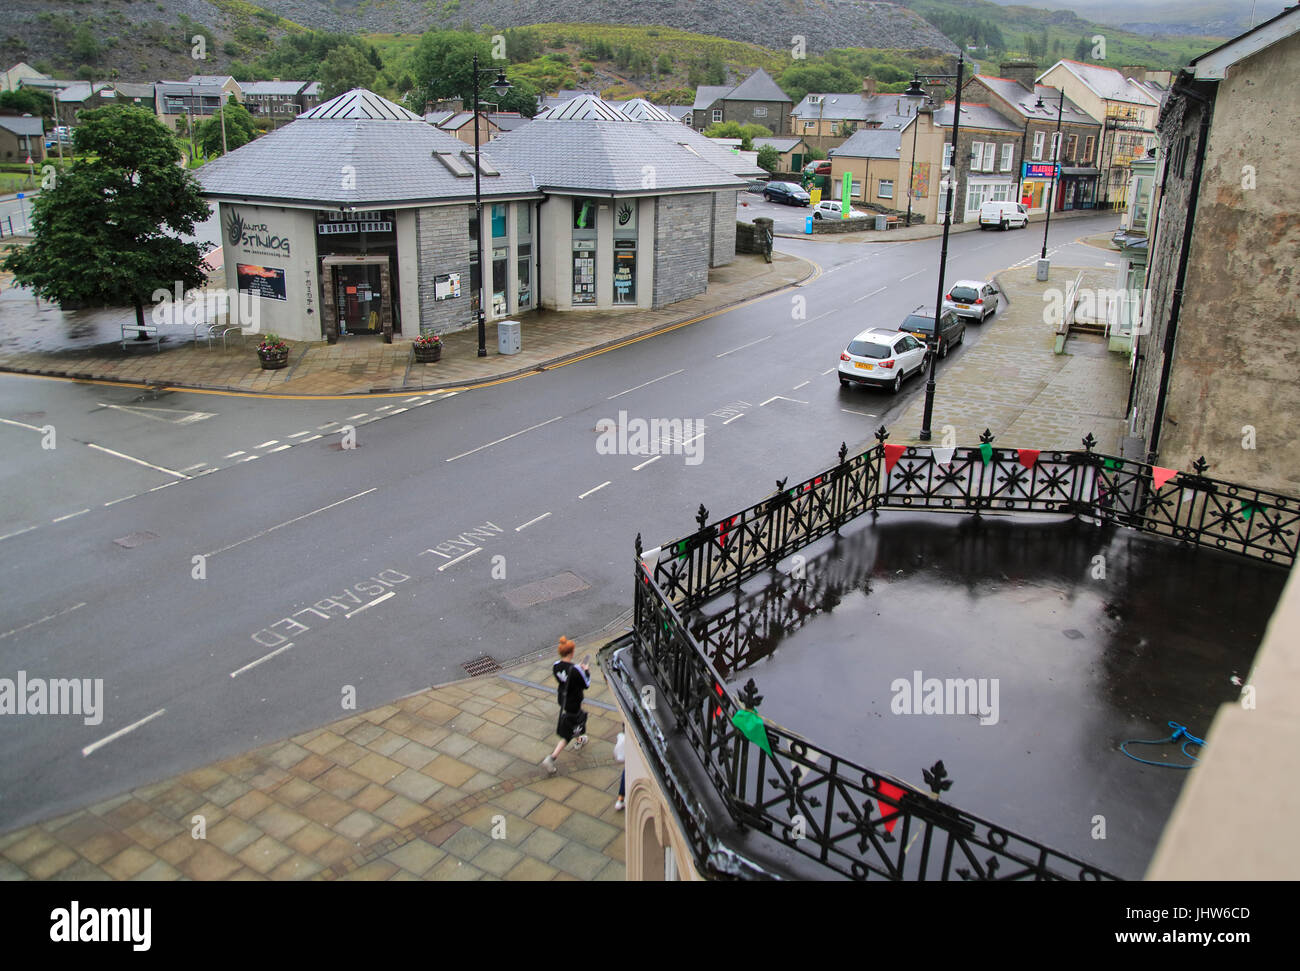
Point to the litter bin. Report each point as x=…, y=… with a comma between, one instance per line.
x=882, y=222
x=509, y=339
x=807, y=225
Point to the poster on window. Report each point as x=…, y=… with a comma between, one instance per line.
x=584, y=276
x=625, y=271
x=261, y=281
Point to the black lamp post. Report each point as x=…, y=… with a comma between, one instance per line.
x=943, y=255
x=500, y=86
x=916, y=92
x=1056, y=169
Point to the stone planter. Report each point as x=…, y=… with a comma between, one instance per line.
x=427, y=353
x=273, y=360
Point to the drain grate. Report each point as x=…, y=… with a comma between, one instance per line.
x=481, y=666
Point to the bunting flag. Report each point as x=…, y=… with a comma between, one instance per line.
x=751, y=726
x=986, y=452
x=889, y=814
x=1160, y=476
x=724, y=528
x=1249, y=509
x=943, y=456
x=1028, y=456
x=717, y=711
x=1113, y=464
x=892, y=454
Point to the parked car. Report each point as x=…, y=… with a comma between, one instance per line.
x=972, y=299
x=786, y=192
x=1003, y=215
x=882, y=358
x=819, y=167
x=830, y=209
x=920, y=324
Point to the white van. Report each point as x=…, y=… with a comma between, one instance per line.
x=1004, y=215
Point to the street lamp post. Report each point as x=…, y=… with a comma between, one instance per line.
x=914, y=91
x=501, y=86
x=1043, y=264
x=950, y=183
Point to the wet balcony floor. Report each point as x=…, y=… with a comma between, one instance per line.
x=1071, y=662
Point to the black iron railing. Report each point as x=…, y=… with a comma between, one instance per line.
x=854, y=820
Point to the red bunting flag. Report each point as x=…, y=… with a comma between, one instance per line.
x=892, y=454
x=1160, y=476
x=888, y=813
x=1028, y=456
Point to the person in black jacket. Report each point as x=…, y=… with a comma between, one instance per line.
x=573, y=681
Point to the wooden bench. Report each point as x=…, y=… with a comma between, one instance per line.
x=892, y=222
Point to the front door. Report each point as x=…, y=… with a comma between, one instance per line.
x=358, y=298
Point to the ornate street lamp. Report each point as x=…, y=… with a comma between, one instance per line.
x=1043, y=264
x=500, y=86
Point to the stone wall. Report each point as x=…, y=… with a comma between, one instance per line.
x=683, y=234
x=724, y=227
x=443, y=246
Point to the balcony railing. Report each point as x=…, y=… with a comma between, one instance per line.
x=857, y=821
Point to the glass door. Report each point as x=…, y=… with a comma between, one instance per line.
x=358, y=298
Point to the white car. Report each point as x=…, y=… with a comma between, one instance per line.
x=830, y=209
x=1003, y=215
x=972, y=299
x=883, y=358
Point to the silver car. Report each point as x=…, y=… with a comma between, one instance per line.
x=972, y=299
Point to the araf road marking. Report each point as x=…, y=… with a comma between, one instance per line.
x=290, y=522
x=78, y=513
x=597, y=489
x=506, y=439
x=59, y=613
x=646, y=385
x=129, y=458
x=519, y=529
x=265, y=657
x=120, y=732
x=780, y=397
x=743, y=346
x=377, y=600
x=463, y=556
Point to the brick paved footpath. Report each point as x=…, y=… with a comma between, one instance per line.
x=442, y=785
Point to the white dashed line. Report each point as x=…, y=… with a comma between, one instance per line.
x=743, y=346
x=280, y=449
x=506, y=439
x=312, y=439
x=638, y=468
x=163, y=486
x=355, y=417
x=295, y=519
x=264, y=444
x=597, y=489
x=477, y=549
x=265, y=657
x=647, y=384
x=250, y=458
x=114, y=502
x=299, y=434
x=81, y=512
x=416, y=398
x=234, y=455
x=910, y=275
x=798, y=386
x=398, y=411
x=58, y=613
x=733, y=418
x=120, y=732
x=19, y=532
x=519, y=529
x=873, y=293
x=320, y=428
x=195, y=467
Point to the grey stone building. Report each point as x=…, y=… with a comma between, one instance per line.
x=757, y=100
x=1215, y=360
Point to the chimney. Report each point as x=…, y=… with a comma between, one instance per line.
x=868, y=86
x=1022, y=72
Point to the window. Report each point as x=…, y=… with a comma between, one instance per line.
x=990, y=149
x=1087, y=148
x=498, y=221
x=947, y=158
x=1056, y=145
x=1038, y=145
x=943, y=200
x=760, y=111
x=855, y=189
x=1071, y=147
x=717, y=114
x=974, y=197
x=976, y=155
x=809, y=125
x=1008, y=150
x=886, y=189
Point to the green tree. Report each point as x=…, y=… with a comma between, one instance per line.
x=111, y=230
x=522, y=97
x=441, y=64
x=27, y=101
x=84, y=45
x=522, y=46
x=1081, y=49
x=734, y=129
x=240, y=129
x=799, y=80
x=769, y=158
x=373, y=57
x=665, y=63
x=344, y=69
x=715, y=70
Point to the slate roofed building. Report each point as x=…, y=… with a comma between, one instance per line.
x=826, y=119
x=870, y=158
x=22, y=138
x=756, y=100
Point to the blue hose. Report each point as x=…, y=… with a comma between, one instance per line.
x=1180, y=731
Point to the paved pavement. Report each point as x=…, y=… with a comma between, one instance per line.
x=39, y=338
x=442, y=785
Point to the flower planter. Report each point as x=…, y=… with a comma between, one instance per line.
x=273, y=360
x=427, y=353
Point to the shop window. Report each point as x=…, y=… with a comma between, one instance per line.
x=500, y=271
x=584, y=214
x=525, y=275
x=625, y=271
x=584, y=271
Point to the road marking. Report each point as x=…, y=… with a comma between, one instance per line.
x=862, y=413
x=798, y=386
x=519, y=529
x=910, y=275
x=10, y=421
x=506, y=439
x=296, y=519
x=320, y=428
x=647, y=384
x=781, y=397
x=416, y=398
x=59, y=613
x=120, y=732
x=597, y=489
x=72, y=514
x=266, y=657
x=195, y=467
x=398, y=411
x=477, y=549
x=163, y=486
x=638, y=468
x=160, y=414
x=827, y=371
x=355, y=417
x=250, y=458
x=19, y=532
x=689, y=440
x=383, y=408
x=299, y=434
x=312, y=439
x=123, y=499
x=733, y=418
x=233, y=455
x=264, y=444
x=871, y=294
x=280, y=449
x=743, y=346
x=129, y=458
x=377, y=600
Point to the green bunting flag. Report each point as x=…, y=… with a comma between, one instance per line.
x=751, y=726
x=1249, y=509
x=986, y=452
x=1113, y=464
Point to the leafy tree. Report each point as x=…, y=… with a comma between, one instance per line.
x=665, y=63
x=715, y=71
x=522, y=45
x=240, y=129
x=84, y=45
x=344, y=69
x=522, y=97
x=111, y=230
x=734, y=129
x=1081, y=49
x=800, y=79
x=28, y=101
x=373, y=57
x=769, y=158
x=442, y=64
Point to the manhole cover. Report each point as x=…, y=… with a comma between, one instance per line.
x=480, y=666
x=1073, y=634
x=132, y=540
x=551, y=588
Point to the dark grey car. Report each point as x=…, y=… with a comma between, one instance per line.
x=920, y=324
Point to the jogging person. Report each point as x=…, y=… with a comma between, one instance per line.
x=573, y=681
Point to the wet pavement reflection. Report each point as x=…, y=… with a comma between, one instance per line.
x=1061, y=640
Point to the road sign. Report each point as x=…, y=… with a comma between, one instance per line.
x=29, y=161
